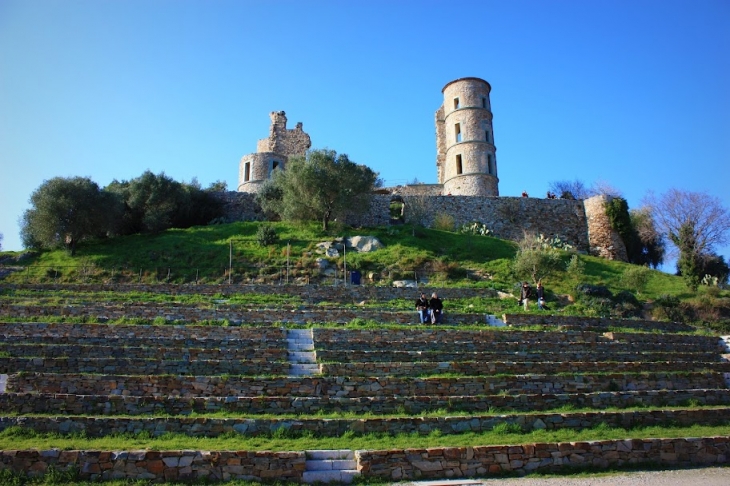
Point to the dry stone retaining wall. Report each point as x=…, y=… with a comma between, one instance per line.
x=159, y=466
x=132, y=366
x=341, y=387
x=461, y=462
x=51, y=403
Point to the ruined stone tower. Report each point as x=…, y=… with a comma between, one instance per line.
x=465, y=151
x=272, y=153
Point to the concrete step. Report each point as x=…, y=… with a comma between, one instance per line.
x=301, y=357
x=321, y=454
x=725, y=343
x=331, y=464
x=341, y=476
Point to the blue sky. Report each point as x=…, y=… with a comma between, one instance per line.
x=633, y=93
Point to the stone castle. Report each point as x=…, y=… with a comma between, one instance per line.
x=467, y=188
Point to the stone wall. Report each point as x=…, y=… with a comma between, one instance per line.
x=160, y=466
x=356, y=387
x=457, y=462
x=474, y=368
x=593, y=322
x=145, y=350
x=72, y=404
x=133, y=366
x=527, y=353
x=583, y=224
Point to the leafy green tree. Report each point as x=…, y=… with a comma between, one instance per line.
x=652, y=247
x=66, y=211
x=156, y=202
x=536, y=260
x=689, y=264
x=320, y=187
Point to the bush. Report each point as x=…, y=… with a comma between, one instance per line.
x=594, y=290
x=635, y=278
x=266, y=235
x=667, y=307
x=443, y=222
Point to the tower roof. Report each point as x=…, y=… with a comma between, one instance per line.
x=466, y=79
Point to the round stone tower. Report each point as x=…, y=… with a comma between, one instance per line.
x=466, y=160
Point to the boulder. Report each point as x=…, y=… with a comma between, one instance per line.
x=364, y=243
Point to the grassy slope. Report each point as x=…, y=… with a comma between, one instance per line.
x=448, y=259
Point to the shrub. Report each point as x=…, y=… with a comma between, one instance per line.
x=266, y=235
x=475, y=228
x=635, y=277
x=443, y=222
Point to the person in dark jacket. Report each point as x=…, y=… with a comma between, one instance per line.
x=437, y=309
x=422, y=308
x=525, y=294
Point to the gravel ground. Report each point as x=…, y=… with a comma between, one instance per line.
x=713, y=476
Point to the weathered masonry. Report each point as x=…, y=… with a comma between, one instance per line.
x=272, y=153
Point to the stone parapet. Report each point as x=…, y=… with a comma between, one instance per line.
x=71, y=404
x=343, y=387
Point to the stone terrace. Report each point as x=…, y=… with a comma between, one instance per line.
x=102, y=379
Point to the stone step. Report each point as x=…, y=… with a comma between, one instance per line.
x=725, y=343
x=450, y=482
x=341, y=476
x=301, y=357
x=300, y=347
x=321, y=454
x=331, y=464
x=3, y=383
x=304, y=370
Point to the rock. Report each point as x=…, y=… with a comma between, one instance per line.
x=364, y=243
x=405, y=284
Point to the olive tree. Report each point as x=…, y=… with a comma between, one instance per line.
x=66, y=211
x=319, y=187
x=536, y=260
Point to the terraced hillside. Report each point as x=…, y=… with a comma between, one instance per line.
x=338, y=371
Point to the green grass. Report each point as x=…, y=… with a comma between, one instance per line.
x=448, y=260
x=16, y=438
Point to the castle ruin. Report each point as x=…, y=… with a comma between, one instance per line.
x=272, y=153
x=467, y=188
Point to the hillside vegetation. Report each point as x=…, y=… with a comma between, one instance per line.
x=219, y=254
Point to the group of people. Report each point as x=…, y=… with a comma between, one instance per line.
x=430, y=310
x=526, y=295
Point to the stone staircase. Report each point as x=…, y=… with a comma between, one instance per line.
x=300, y=352
x=725, y=344
x=326, y=466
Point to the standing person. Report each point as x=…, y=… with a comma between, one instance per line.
x=540, y=294
x=437, y=308
x=525, y=294
x=422, y=308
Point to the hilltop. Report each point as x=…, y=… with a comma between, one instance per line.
x=232, y=254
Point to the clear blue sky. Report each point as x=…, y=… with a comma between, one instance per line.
x=634, y=93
